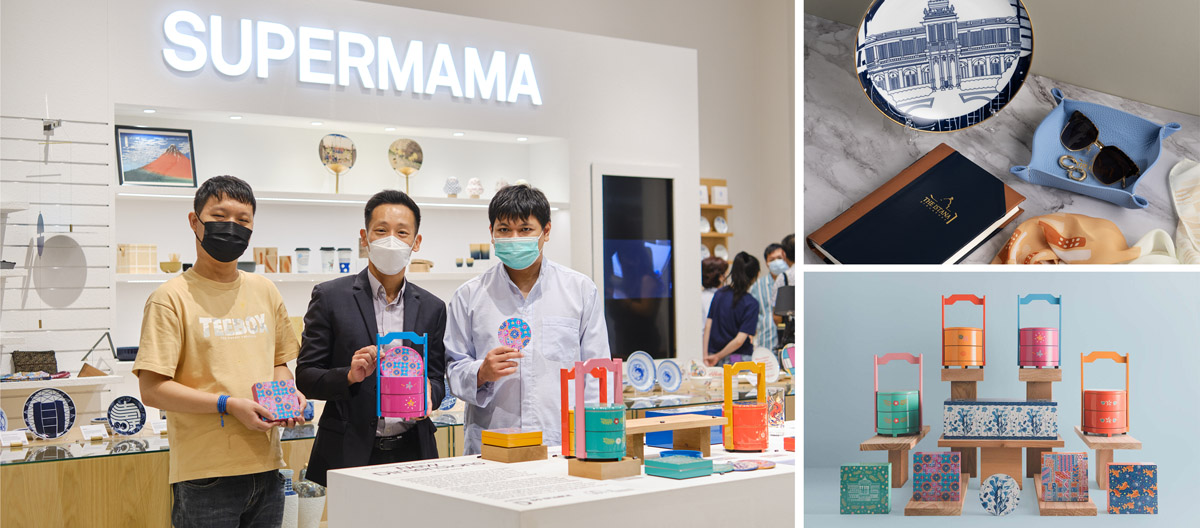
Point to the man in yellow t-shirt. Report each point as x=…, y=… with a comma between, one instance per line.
x=208, y=336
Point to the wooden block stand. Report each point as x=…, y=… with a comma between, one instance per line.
x=1104, y=446
x=940, y=508
x=509, y=455
x=604, y=470
x=963, y=384
x=1038, y=386
x=1001, y=456
x=691, y=432
x=897, y=448
x=1061, y=509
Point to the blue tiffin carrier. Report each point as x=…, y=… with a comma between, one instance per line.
x=1139, y=138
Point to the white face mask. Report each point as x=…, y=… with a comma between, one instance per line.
x=389, y=255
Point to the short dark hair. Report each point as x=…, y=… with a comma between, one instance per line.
x=771, y=248
x=712, y=272
x=518, y=202
x=389, y=196
x=789, y=247
x=220, y=187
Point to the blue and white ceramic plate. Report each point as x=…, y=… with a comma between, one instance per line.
x=49, y=413
x=641, y=371
x=999, y=494
x=943, y=65
x=126, y=415
x=3, y=421
x=670, y=376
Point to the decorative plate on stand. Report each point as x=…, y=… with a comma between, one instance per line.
x=126, y=415
x=704, y=252
x=720, y=252
x=670, y=376
x=641, y=371
x=720, y=225
x=766, y=357
x=3, y=421
x=705, y=227
x=943, y=65
x=49, y=413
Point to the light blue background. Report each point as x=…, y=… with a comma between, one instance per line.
x=850, y=316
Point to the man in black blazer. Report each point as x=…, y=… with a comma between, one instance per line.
x=337, y=355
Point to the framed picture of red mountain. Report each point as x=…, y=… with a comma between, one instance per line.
x=160, y=157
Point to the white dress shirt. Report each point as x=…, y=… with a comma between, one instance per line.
x=566, y=319
x=389, y=317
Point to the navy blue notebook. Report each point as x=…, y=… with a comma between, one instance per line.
x=936, y=211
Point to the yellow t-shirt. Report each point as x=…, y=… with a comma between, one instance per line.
x=219, y=338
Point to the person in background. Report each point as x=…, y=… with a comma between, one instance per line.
x=208, y=336
x=763, y=290
x=733, y=316
x=504, y=387
x=337, y=358
x=788, y=277
x=712, y=275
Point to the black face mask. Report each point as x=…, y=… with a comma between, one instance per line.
x=225, y=241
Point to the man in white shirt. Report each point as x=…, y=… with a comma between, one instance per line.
x=504, y=387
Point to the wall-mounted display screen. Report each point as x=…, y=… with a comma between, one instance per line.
x=639, y=260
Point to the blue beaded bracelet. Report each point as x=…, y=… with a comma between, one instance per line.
x=221, y=403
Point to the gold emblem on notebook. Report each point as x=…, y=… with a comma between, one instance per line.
x=940, y=207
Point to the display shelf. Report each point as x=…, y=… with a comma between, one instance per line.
x=1039, y=375
x=12, y=207
x=940, y=508
x=1061, y=509
x=715, y=207
x=126, y=278
x=6, y=340
x=897, y=448
x=1104, y=446
x=690, y=432
x=1000, y=456
x=961, y=375
x=60, y=383
x=716, y=235
x=11, y=273
x=294, y=198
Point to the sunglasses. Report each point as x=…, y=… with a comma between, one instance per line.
x=1109, y=166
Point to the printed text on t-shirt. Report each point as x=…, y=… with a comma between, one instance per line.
x=255, y=324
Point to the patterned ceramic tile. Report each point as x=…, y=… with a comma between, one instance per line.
x=1065, y=477
x=936, y=476
x=279, y=397
x=1132, y=488
x=866, y=488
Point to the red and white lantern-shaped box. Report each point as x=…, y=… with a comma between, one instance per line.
x=1104, y=412
x=1038, y=346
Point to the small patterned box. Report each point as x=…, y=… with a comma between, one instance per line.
x=1132, y=487
x=280, y=399
x=866, y=488
x=1065, y=477
x=937, y=476
x=1000, y=419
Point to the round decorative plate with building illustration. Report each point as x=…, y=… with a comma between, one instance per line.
x=49, y=413
x=514, y=333
x=641, y=371
x=126, y=415
x=943, y=65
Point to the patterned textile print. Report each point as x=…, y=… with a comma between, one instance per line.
x=1132, y=488
x=937, y=476
x=866, y=488
x=1065, y=238
x=1065, y=477
x=1185, y=189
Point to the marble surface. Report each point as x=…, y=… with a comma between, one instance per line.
x=850, y=148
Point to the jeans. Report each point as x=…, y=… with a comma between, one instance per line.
x=241, y=500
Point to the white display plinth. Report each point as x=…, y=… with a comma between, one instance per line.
x=470, y=491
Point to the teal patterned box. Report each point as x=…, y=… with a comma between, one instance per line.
x=866, y=488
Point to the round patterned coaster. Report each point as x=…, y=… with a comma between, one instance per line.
x=763, y=464
x=744, y=465
x=999, y=494
x=514, y=333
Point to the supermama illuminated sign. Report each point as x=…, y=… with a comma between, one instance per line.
x=377, y=63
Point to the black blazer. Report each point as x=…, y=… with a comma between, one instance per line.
x=341, y=320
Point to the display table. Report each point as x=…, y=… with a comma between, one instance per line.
x=479, y=492
x=1061, y=509
x=1104, y=446
x=1001, y=456
x=897, y=448
x=916, y=508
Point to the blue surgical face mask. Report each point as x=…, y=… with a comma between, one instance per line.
x=518, y=252
x=777, y=266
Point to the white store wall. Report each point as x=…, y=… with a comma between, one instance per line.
x=610, y=100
